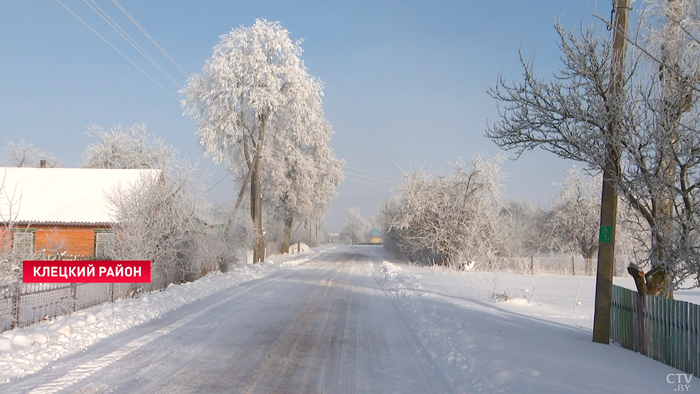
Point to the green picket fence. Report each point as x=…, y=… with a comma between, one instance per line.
x=664, y=329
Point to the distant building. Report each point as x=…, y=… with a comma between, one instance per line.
x=332, y=238
x=60, y=210
x=375, y=237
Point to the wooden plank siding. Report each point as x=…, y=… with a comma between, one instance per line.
x=76, y=240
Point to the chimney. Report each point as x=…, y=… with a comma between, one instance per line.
x=42, y=163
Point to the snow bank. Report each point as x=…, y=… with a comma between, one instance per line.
x=299, y=247
x=24, y=351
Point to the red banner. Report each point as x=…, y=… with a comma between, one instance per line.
x=87, y=271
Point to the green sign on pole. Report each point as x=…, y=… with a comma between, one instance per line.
x=605, y=235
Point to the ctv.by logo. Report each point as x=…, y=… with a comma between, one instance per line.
x=681, y=380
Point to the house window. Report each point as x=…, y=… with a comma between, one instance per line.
x=104, y=242
x=23, y=243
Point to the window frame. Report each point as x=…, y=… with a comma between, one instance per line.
x=100, y=246
x=23, y=231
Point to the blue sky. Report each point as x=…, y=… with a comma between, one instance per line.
x=405, y=81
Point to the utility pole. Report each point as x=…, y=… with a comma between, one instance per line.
x=611, y=170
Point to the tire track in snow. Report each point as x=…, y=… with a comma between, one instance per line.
x=342, y=369
x=293, y=352
x=444, y=357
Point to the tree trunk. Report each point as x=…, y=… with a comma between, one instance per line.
x=287, y=233
x=672, y=109
x=310, y=240
x=256, y=199
x=256, y=196
x=588, y=266
x=653, y=282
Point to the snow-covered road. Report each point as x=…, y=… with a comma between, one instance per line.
x=326, y=326
x=341, y=320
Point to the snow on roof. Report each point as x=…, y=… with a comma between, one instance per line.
x=62, y=195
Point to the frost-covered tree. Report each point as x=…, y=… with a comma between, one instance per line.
x=25, y=154
x=355, y=226
x=219, y=239
x=575, y=217
x=10, y=204
x=254, y=78
x=455, y=217
x=659, y=142
x=300, y=176
x=130, y=148
x=522, y=227
x=155, y=219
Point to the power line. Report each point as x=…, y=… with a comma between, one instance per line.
x=366, y=183
x=150, y=38
x=368, y=177
x=220, y=180
x=237, y=166
x=370, y=172
x=114, y=25
x=118, y=51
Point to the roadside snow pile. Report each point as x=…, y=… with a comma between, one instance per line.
x=438, y=346
x=292, y=259
x=298, y=248
x=295, y=262
x=26, y=350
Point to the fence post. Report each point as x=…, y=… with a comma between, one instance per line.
x=16, y=297
x=573, y=265
x=639, y=326
x=111, y=292
x=532, y=265
x=74, y=294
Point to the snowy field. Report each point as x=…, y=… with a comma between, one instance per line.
x=350, y=319
x=515, y=333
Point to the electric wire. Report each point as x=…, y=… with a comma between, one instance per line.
x=371, y=173
x=368, y=177
x=237, y=166
x=150, y=38
x=365, y=182
x=114, y=25
x=118, y=51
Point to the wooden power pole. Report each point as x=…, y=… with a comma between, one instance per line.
x=608, y=206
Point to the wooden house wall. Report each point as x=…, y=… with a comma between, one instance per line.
x=76, y=240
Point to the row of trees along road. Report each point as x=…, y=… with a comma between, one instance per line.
x=657, y=114
x=459, y=218
x=255, y=103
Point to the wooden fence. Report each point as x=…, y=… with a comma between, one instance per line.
x=664, y=329
x=24, y=304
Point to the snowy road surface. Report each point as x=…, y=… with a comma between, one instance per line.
x=344, y=320
x=324, y=327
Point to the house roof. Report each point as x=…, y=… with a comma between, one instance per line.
x=375, y=233
x=62, y=195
